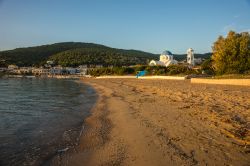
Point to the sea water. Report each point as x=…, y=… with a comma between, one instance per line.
x=39, y=117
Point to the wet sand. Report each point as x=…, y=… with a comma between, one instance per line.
x=164, y=122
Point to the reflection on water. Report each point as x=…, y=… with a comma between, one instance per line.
x=40, y=116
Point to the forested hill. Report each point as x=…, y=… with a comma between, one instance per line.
x=110, y=56
x=77, y=53
x=102, y=56
x=72, y=51
x=184, y=56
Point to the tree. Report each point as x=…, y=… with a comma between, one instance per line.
x=231, y=55
x=207, y=67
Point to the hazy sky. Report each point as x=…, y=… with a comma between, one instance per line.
x=148, y=25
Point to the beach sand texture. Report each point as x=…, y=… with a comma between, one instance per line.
x=164, y=122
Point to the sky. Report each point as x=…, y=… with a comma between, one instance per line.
x=147, y=25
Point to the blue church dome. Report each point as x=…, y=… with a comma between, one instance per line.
x=166, y=52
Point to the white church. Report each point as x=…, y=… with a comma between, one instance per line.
x=167, y=58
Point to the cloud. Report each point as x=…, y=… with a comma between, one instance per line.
x=228, y=28
x=236, y=16
x=233, y=27
x=245, y=30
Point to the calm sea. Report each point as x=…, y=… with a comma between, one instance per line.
x=39, y=117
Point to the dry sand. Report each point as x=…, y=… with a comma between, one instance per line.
x=164, y=122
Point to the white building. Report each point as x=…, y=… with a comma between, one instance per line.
x=98, y=66
x=40, y=71
x=82, y=70
x=70, y=70
x=166, y=59
x=50, y=62
x=12, y=67
x=190, y=57
x=2, y=69
x=58, y=70
x=24, y=70
x=198, y=61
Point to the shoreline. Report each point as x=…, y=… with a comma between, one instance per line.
x=65, y=149
x=48, y=128
x=193, y=79
x=125, y=113
x=95, y=133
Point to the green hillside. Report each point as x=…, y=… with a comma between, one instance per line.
x=36, y=55
x=101, y=56
x=61, y=52
x=180, y=57
x=77, y=53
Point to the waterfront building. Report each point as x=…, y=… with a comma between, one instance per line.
x=40, y=71
x=58, y=70
x=12, y=67
x=2, y=69
x=98, y=66
x=82, y=70
x=24, y=70
x=70, y=70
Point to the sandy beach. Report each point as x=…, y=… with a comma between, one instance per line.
x=164, y=122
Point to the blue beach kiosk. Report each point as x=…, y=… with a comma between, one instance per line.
x=141, y=73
